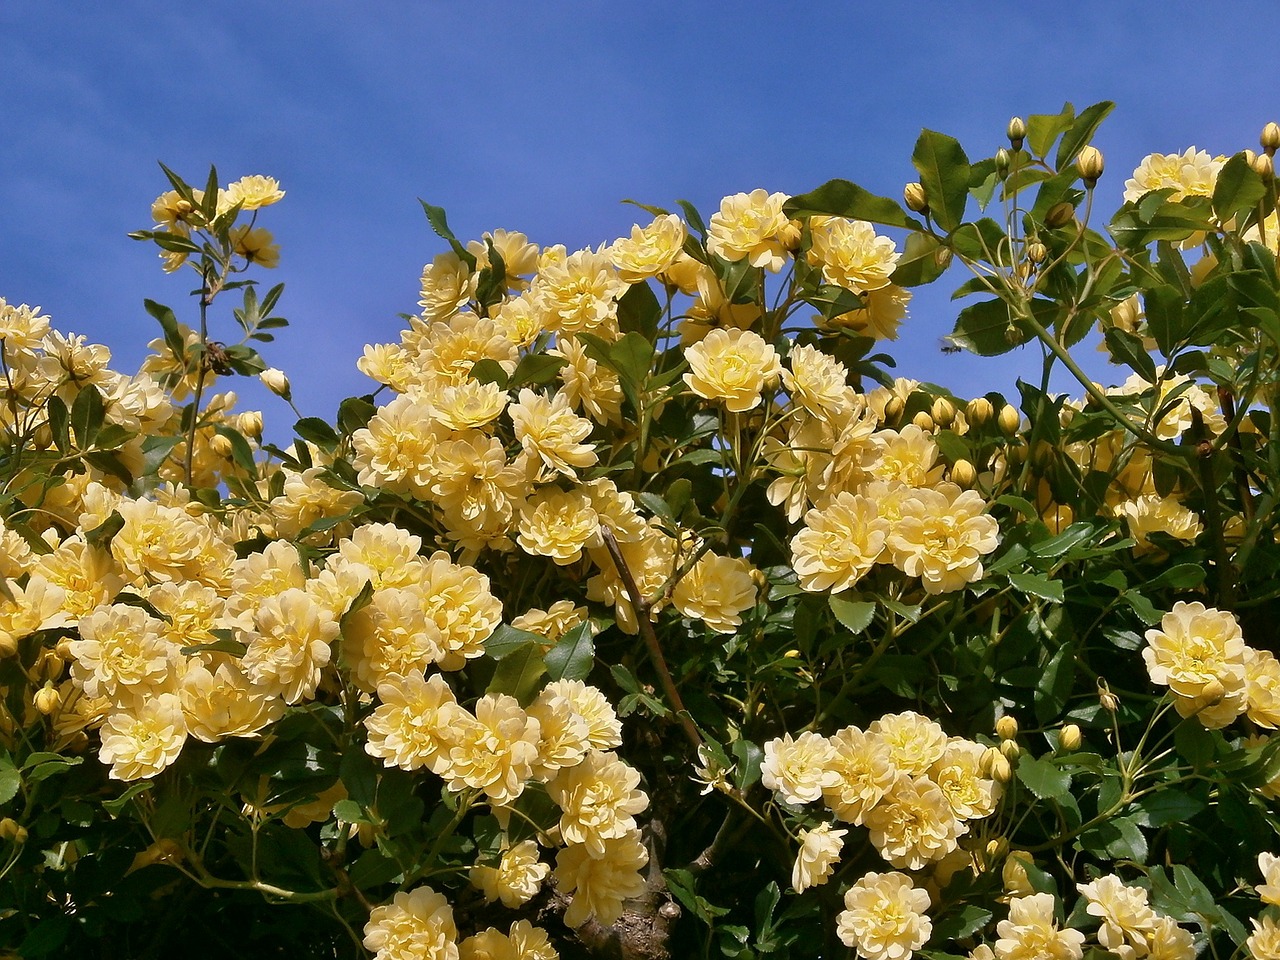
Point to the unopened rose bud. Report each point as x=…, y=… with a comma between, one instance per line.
x=63, y=650
x=943, y=412
x=996, y=849
x=42, y=438
x=221, y=446
x=964, y=474
x=1010, y=750
x=1037, y=251
x=1007, y=727
x=995, y=766
x=1089, y=164
x=979, y=411
x=250, y=424
x=1270, y=138
x=1110, y=702
x=924, y=421
x=1069, y=737
x=1016, y=132
x=1264, y=166
x=11, y=830
x=1014, y=873
x=893, y=409
x=915, y=198
x=1059, y=215
x=48, y=699
x=1003, y=160
x=276, y=381
x=1009, y=420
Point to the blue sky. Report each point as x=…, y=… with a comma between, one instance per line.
x=541, y=117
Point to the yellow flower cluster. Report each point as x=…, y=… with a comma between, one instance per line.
x=885, y=917
x=1199, y=653
x=913, y=788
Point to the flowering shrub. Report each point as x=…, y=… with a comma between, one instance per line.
x=641, y=611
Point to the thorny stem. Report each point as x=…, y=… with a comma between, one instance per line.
x=642, y=609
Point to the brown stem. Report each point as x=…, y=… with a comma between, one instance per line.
x=643, y=608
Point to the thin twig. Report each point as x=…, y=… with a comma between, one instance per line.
x=642, y=609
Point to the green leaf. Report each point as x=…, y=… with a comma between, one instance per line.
x=1127, y=349
x=855, y=615
x=1081, y=132
x=491, y=286
x=632, y=356
x=10, y=780
x=536, y=369
x=59, y=424
x=317, y=431
x=573, y=656
x=354, y=413
x=1038, y=585
x=944, y=174
x=228, y=645
x=840, y=198
x=1043, y=128
x=639, y=311
x=100, y=536
x=87, y=416
x=169, y=325
x=507, y=640
x=692, y=217
x=1237, y=189
x=440, y=224
x=923, y=260
x=967, y=921
x=1172, y=805
x=1166, y=320
x=832, y=301
x=681, y=885
x=984, y=328
x=518, y=673
x=1194, y=743
x=241, y=452
x=1053, y=687
x=1042, y=778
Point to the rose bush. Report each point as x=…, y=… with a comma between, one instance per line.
x=641, y=611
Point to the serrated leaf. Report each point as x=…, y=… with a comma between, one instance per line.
x=573, y=656
x=317, y=431
x=10, y=780
x=87, y=416
x=840, y=198
x=855, y=615
x=1237, y=189
x=1127, y=349
x=1081, y=132
x=1042, y=778
x=944, y=174
x=1038, y=585
x=508, y=639
x=440, y=224
x=518, y=673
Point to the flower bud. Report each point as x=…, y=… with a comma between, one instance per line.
x=221, y=446
x=1014, y=873
x=996, y=849
x=276, y=381
x=924, y=422
x=995, y=766
x=1069, y=737
x=10, y=829
x=964, y=474
x=915, y=198
x=893, y=409
x=1037, y=251
x=48, y=699
x=1059, y=215
x=1010, y=750
x=943, y=412
x=1010, y=420
x=1016, y=132
x=1007, y=727
x=1089, y=164
x=1264, y=166
x=42, y=438
x=250, y=424
x=1003, y=160
x=979, y=411
x=1109, y=700
x=1270, y=138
